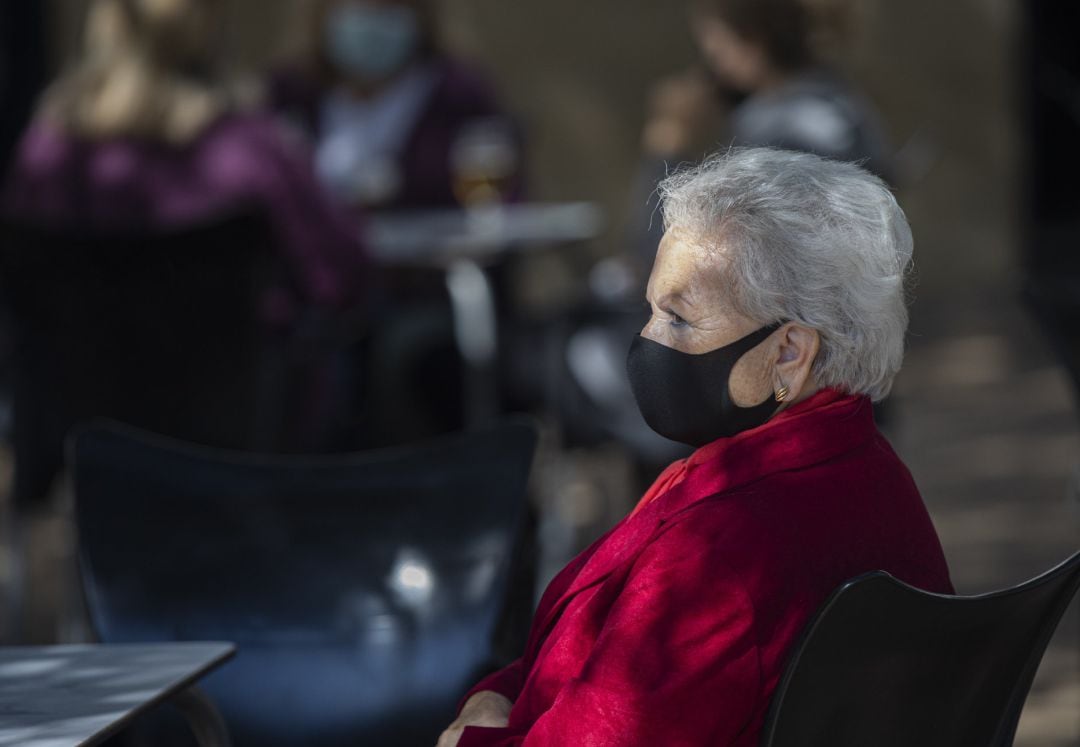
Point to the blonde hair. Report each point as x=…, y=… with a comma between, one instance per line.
x=134, y=78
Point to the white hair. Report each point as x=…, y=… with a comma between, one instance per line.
x=809, y=240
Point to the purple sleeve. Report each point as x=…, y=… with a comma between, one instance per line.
x=318, y=238
x=244, y=159
x=31, y=187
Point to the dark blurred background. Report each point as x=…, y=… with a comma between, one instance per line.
x=980, y=100
x=945, y=78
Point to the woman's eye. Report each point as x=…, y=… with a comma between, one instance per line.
x=676, y=320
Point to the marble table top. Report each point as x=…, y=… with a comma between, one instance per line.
x=63, y=696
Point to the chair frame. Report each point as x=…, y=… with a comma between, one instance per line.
x=522, y=429
x=1006, y=729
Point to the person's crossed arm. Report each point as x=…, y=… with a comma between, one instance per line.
x=676, y=662
x=484, y=709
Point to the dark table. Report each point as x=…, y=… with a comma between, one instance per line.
x=63, y=696
x=464, y=244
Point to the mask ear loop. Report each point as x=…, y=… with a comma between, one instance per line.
x=745, y=344
x=751, y=341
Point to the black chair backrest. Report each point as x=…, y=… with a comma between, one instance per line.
x=362, y=590
x=887, y=665
x=155, y=329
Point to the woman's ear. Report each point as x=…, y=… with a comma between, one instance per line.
x=795, y=355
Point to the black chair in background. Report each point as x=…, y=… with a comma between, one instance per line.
x=158, y=330
x=887, y=665
x=363, y=591
x=1049, y=83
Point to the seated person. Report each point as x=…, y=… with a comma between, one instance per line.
x=396, y=121
x=763, y=81
x=760, y=56
x=143, y=135
x=778, y=317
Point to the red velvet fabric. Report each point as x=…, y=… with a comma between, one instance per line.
x=674, y=628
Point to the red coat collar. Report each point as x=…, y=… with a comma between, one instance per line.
x=814, y=431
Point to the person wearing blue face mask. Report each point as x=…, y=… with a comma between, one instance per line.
x=371, y=41
x=386, y=107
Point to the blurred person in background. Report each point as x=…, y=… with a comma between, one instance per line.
x=778, y=316
x=763, y=58
x=144, y=134
x=765, y=81
x=396, y=120
x=398, y=123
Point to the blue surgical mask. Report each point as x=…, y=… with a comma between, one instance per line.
x=370, y=41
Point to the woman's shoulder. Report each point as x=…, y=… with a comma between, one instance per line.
x=860, y=485
x=697, y=533
x=44, y=146
x=823, y=523
x=820, y=112
x=251, y=139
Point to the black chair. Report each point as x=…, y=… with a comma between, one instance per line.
x=363, y=591
x=1053, y=299
x=155, y=329
x=887, y=665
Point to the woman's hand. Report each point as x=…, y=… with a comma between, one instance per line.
x=486, y=708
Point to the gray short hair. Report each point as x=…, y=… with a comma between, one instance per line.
x=806, y=239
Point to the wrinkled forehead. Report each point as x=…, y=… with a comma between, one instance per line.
x=690, y=267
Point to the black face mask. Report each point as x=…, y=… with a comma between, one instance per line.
x=685, y=397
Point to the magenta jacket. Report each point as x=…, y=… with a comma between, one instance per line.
x=242, y=160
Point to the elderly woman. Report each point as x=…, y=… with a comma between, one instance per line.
x=778, y=316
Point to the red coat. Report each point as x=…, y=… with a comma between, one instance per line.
x=674, y=628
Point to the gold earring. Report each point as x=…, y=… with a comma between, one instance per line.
x=782, y=393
